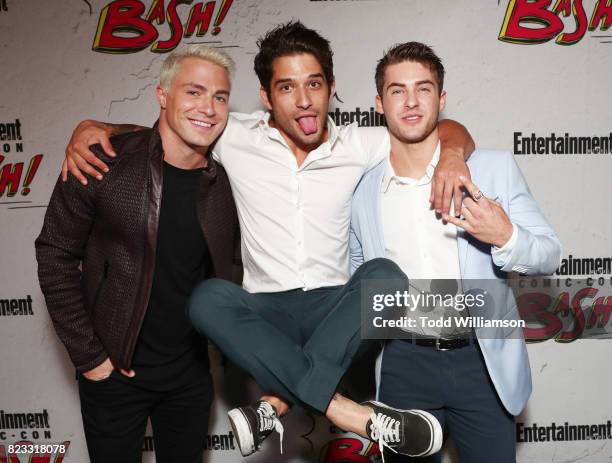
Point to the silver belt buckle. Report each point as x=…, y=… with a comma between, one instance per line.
x=438, y=345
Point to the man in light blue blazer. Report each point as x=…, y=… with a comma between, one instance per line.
x=472, y=380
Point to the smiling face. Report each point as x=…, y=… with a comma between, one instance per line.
x=195, y=108
x=411, y=101
x=299, y=100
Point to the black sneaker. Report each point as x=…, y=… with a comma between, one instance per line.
x=415, y=433
x=252, y=424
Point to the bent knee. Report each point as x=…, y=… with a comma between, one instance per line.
x=206, y=297
x=383, y=269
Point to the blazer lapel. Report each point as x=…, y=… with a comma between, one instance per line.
x=378, y=214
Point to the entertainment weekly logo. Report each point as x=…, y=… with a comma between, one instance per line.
x=214, y=443
x=16, y=306
x=529, y=22
x=15, y=177
x=124, y=27
x=563, y=432
x=561, y=144
x=28, y=428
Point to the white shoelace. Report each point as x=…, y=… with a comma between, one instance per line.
x=384, y=429
x=268, y=420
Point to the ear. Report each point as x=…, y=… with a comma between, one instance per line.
x=379, y=106
x=265, y=99
x=442, y=100
x=332, y=89
x=161, y=96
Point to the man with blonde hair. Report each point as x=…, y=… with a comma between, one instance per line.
x=119, y=258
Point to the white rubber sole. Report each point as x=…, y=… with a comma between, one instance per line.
x=437, y=435
x=242, y=431
x=436, y=432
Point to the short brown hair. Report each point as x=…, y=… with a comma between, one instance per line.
x=409, y=51
x=288, y=39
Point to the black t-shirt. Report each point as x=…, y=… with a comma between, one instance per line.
x=168, y=348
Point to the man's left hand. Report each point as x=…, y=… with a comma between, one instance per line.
x=483, y=218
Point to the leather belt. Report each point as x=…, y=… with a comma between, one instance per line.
x=442, y=344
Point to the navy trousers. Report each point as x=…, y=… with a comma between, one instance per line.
x=296, y=344
x=455, y=387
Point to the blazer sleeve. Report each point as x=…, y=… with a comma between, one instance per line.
x=60, y=249
x=538, y=249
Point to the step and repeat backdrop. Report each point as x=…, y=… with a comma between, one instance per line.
x=530, y=76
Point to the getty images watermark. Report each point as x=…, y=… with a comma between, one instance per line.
x=405, y=301
x=396, y=309
x=537, y=308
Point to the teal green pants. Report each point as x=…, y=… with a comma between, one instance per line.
x=296, y=344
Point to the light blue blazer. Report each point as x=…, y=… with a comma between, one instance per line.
x=537, y=252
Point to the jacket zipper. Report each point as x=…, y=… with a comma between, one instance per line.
x=147, y=282
x=101, y=284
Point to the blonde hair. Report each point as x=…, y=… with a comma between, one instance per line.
x=201, y=51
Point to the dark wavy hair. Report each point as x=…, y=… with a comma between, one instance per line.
x=288, y=39
x=409, y=51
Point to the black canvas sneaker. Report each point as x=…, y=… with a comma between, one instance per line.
x=252, y=424
x=415, y=433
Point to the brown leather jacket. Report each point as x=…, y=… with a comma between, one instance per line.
x=96, y=251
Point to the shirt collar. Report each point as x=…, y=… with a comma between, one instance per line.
x=262, y=119
x=424, y=180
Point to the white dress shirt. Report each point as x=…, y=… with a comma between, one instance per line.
x=417, y=239
x=294, y=221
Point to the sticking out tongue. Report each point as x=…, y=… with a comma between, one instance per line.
x=308, y=124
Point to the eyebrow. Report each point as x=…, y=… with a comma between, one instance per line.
x=290, y=79
x=192, y=84
x=202, y=88
x=420, y=82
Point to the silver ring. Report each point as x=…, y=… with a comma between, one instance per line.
x=478, y=195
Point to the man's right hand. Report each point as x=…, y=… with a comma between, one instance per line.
x=80, y=159
x=104, y=370
x=101, y=372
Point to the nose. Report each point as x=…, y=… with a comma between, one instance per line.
x=206, y=105
x=303, y=100
x=411, y=100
